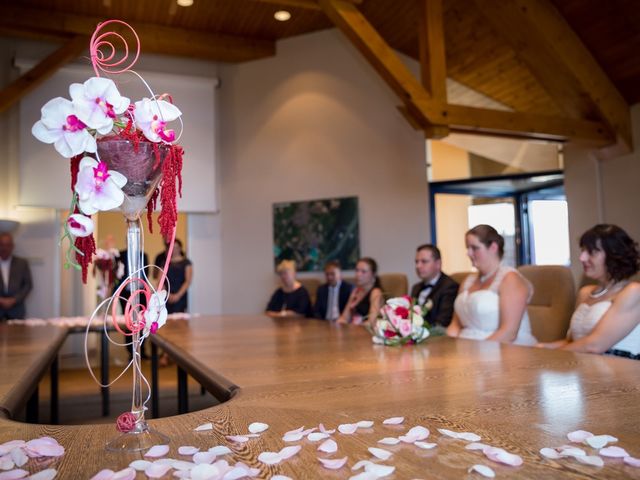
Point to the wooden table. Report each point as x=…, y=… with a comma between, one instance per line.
x=290, y=373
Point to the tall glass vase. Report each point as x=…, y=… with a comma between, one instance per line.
x=142, y=165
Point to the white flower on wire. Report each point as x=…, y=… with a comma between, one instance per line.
x=156, y=315
x=152, y=116
x=80, y=225
x=98, y=103
x=98, y=189
x=61, y=126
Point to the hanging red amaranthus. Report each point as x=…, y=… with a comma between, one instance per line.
x=171, y=169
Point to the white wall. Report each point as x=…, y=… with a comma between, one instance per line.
x=314, y=122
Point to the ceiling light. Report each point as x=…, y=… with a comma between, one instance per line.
x=184, y=3
x=282, y=15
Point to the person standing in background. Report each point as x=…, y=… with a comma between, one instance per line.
x=15, y=280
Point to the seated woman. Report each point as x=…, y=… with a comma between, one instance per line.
x=607, y=315
x=365, y=300
x=491, y=304
x=292, y=299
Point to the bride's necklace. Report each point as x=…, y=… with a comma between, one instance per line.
x=484, y=278
x=603, y=291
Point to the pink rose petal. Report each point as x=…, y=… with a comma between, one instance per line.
x=425, y=445
x=288, y=452
x=156, y=470
x=140, y=465
x=502, y=456
x=18, y=457
x=570, y=451
x=634, y=462
x=393, y=421
x=10, y=445
x=483, y=470
x=317, y=436
x=204, y=427
x=419, y=433
x=613, y=452
x=328, y=446
x=364, y=476
x=594, y=460
x=390, y=441
x=104, y=474
x=204, y=457
x=13, y=474
x=379, y=470
x=333, y=463
x=292, y=437
x=579, y=436
x=238, y=438
x=476, y=446
x=182, y=465
x=599, y=441
x=281, y=477
x=551, y=453
x=348, y=428
x=380, y=453
x=48, y=474
x=188, y=450
x=361, y=464
x=125, y=474
x=469, y=437
x=365, y=424
x=297, y=430
x=220, y=450
x=157, y=451
x=324, y=430
x=6, y=463
x=257, y=427
x=270, y=458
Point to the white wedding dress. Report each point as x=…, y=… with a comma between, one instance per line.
x=586, y=317
x=479, y=311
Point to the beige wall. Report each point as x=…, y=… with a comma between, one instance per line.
x=314, y=122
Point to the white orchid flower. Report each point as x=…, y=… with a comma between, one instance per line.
x=156, y=315
x=80, y=225
x=152, y=116
x=98, y=189
x=97, y=103
x=61, y=126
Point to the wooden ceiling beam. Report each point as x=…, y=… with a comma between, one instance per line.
x=308, y=4
x=42, y=71
x=556, y=56
x=153, y=38
x=428, y=112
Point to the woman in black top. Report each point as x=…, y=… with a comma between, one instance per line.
x=292, y=299
x=365, y=300
x=179, y=274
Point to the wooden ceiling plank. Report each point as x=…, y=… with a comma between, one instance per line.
x=13, y=92
x=153, y=38
x=560, y=61
x=308, y=4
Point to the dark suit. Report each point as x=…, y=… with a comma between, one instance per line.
x=19, y=287
x=322, y=299
x=442, y=296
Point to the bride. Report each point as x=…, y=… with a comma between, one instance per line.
x=491, y=304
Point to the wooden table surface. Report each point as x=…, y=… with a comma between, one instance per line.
x=290, y=373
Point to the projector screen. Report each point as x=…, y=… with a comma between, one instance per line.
x=44, y=174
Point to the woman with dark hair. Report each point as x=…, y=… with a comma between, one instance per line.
x=607, y=315
x=365, y=300
x=492, y=303
x=179, y=275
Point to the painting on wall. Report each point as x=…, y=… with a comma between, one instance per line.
x=316, y=231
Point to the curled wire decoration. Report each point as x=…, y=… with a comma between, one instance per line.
x=103, y=51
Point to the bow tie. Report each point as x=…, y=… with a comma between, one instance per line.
x=427, y=285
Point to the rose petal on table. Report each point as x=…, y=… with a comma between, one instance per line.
x=6, y=447
x=165, y=461
x=600, y=441
x=270, y=458
x=613, y=452
x=6, y=463
x=18, y=457
x=393, y=421
x=187, y=450
x=297, y=430
x=220, y=450
x=348, y=428
x=594, y=460
x=365, y=424
x=281, y=477
x=140, y=465
x=235, y=473
x=390, y=441
x=425, y=445
x=469, y=437
x=157, y=470
x=328, y=446
x=323, y=429
x=551, y=453
x=420, y=433
x=408, y=438
x=380, y=453
x=204, y=427
x=483, y=470
x=204, y=457
x=182, y=465
x=364, y=476
x=502, y=456
x=13, y=474
x=632, y=461
x=288, y=452
x=43, y=449
x=308, y=431
x=157, y=451
x=104, y=474
x=379, y=470
x=317, y=436
x=361, y=464
x=124, y=474
x=48, y=474
x=292, y=437
x=448, y=433
x=257, y=427
x=182, y=474
x=579, y=436
x=570, y=451
x=238, y=438
x=476, y=446
x=333, y=463
x=204, y=471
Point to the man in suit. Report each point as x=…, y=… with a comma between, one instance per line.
x=332, y=296
x=15, y=280
x=435, y=286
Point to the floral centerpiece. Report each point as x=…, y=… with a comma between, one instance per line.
x=401, y=322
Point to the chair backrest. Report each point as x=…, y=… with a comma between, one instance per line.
x=553, y=300
x=311, y=284
x=459, y=276
x=394, y=284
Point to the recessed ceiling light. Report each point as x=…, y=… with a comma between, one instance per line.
x=184, y=3
x=282, y=15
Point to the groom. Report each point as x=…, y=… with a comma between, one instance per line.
x=435, y=286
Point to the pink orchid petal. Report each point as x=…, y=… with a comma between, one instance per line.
x=613, y=452
x=317, y=436
x=270, y=458
x=380, y=453
x=348, y=428
x=551, y=453
x=258, y=427
x=13, y=474
x=390, y=441
x=502, y=456
x=188, y=450
x=157, y=451
x=599, y=441
x=324, y=430
x=425, y=445
x=204, y=427
x=593, y=460
x=104, y=474
x=238, y=438
x=333, y=463
x=288, y=452
x=365, y=424
x=220, y=450
x=140, y=465
x=204, y=457
x=328, y=446
x=632, y=461
x=483, y=470
x=125, y=474
x=393, y=421
x=579, y=436
x=156, y=470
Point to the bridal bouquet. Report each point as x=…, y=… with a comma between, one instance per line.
x=401, y=321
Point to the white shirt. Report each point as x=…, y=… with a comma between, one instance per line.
x=426, y=292
x=333, y=298
x=5, y=268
